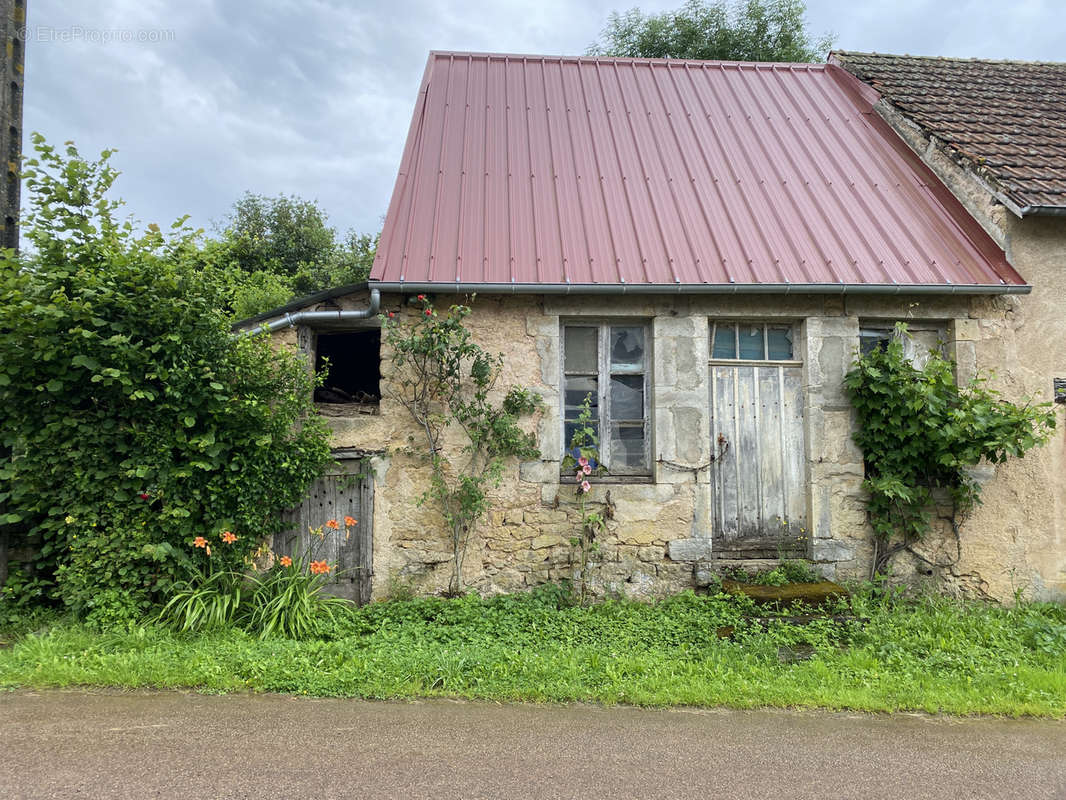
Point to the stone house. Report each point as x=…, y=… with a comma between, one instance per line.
x=702, y=247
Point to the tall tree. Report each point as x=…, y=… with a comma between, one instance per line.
x=272, y=249
x=283, y=235
x=755, y=30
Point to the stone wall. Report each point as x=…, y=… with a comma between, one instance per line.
x=659, y=531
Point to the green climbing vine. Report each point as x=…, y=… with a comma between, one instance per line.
x=447, y=382
x=921, y=432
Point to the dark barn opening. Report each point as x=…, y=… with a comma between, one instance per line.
x=351, y=361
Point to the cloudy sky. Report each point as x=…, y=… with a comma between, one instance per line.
x=205, y=99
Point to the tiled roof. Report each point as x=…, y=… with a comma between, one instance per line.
x=1007, y=119
x=652, y=175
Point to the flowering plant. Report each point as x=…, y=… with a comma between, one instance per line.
x=214, y=594
x=583, y=459
x=286, y=599
x=289, y=598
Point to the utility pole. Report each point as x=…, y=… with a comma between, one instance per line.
x=13, y=22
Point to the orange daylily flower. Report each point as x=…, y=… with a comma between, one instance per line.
x=319, y=567
x=285, y=561
x=199, y=541
x=332, y=524
x=229, y=537
x=350, y=522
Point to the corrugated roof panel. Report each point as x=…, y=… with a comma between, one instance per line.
x=584, y=171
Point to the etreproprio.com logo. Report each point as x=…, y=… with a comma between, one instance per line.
x=79, y=33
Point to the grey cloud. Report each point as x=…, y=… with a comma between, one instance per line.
x=315, y=97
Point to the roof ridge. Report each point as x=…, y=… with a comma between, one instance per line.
x=815, y=66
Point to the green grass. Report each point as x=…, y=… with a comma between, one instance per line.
x=928, y=655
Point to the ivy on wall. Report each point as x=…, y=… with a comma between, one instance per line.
x=920, y=432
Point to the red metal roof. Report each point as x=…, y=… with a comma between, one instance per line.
x=522, y=170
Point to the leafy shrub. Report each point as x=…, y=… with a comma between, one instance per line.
x=131, y=420
x=20, y=595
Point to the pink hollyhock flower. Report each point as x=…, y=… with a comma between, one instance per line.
x=580, y=476
x=583, y=461
x=585, y=486
x=587, y=469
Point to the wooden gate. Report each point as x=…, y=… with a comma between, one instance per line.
x=345, y=491
x=759, y=476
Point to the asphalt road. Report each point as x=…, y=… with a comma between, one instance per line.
x=98, y=744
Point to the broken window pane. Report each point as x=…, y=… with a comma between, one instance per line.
x=920, y=344
x=577, y=389
x=871, y=339
x=779, y=344
x=627, y=397
x=627, y=445
x=751, y=346
x=627, y=348
x=916, y=343
x=580, y=349
x=725, y=342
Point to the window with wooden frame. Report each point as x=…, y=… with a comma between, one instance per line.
x=751, y=341
x=609, y=363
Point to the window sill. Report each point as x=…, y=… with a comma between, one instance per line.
x=753, y=362
x=568, y=477
x=347, y=409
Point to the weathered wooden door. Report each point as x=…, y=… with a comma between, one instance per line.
x=759, y=476
x=346, y=491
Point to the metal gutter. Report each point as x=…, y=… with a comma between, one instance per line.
x=702, y=288
x=1042, y=211
x=288, y=320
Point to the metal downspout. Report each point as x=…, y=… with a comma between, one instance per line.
x=289, y=320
